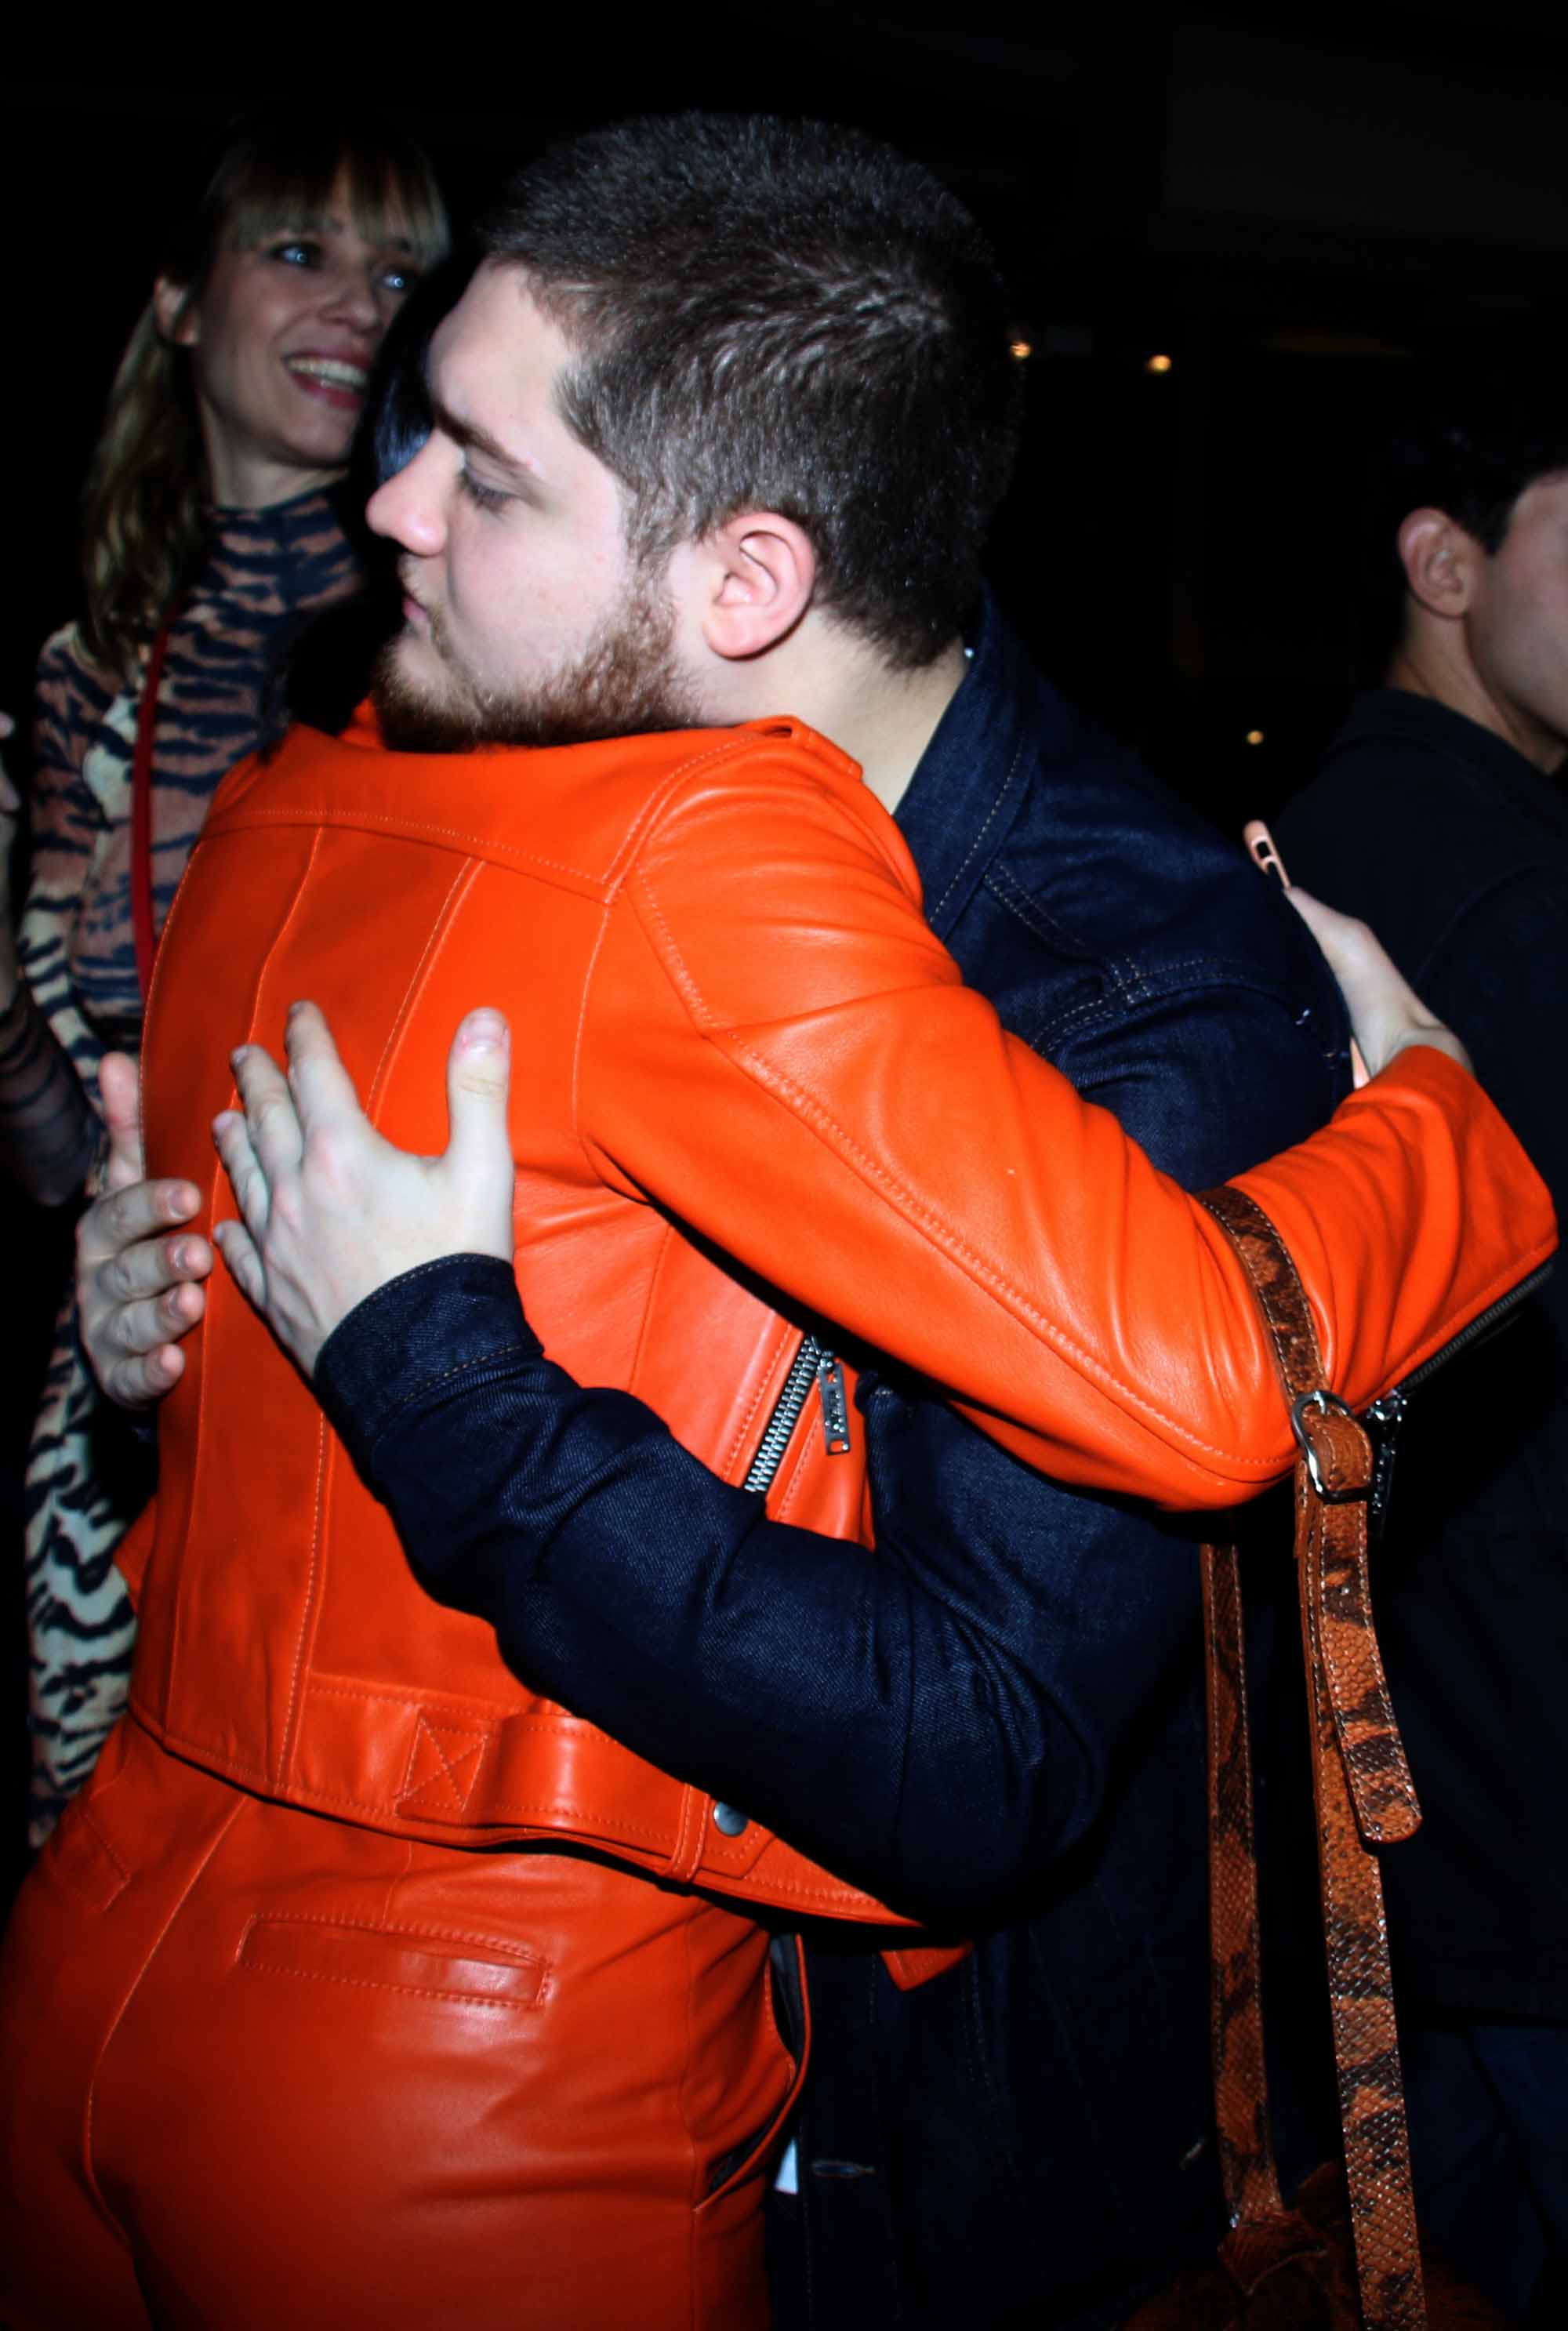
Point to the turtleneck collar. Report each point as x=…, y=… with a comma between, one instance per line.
x=277, y=560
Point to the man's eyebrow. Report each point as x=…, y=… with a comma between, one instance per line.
x=472, y=438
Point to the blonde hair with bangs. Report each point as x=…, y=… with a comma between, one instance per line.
x=144, y=509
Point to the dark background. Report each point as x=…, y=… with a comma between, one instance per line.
x=1292, y=206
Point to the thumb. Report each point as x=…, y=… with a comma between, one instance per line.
x=479, y=1149
x=120, y=1090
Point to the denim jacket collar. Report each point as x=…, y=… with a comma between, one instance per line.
x=973, y=774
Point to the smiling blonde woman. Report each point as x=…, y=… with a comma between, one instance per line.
x=210, y=530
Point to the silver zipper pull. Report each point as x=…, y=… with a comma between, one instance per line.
x=834, y=1404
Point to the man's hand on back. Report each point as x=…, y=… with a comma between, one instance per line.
x=330, y=1210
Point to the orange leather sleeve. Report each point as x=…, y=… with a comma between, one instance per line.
x=775, y=1047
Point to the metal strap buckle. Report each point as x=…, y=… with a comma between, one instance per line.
x=1323, y=1402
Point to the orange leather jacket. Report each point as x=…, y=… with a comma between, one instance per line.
x=733, y=1035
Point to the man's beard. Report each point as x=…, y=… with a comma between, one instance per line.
x=624, y=683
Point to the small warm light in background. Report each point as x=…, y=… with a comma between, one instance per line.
x=1022, y=348
x=1160, y=363
x=1255, y=736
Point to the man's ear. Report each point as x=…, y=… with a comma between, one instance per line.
x=759, y=577
x=174, y=312
x=1441, y=561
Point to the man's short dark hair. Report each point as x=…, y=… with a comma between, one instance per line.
x=782, y=315
x=1476, y=434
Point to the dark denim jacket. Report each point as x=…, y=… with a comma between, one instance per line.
x=994, y=1721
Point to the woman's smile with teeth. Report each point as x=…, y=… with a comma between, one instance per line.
x=333, y=377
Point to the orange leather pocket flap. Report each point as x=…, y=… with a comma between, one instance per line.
x=398, y=1958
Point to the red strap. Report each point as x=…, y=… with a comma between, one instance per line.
x=141, y=892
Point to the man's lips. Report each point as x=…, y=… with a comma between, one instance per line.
x=413, y=614
x=338, y=381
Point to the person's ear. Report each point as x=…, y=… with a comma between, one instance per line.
x=760, y=574
x=174, y=312
x=1441, y=562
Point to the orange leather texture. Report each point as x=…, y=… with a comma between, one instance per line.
x=730, y=1024
x=260, y=2069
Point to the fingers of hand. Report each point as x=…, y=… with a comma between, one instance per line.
x=477, y=1083
x=479, y=1163
x=480, y=1059
x=1385, y=1010
x=247, y=1179
x=238, y=1250
x=322, y=1087
x=141, y=1382
x=1260, y=843
x=1356, y=956
x=153, y=1268
x=135, y=1329
x=142, y=1210
x=120, y=1090
x=271, y=1119
x=1335, y=933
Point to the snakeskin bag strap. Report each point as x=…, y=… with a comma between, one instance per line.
x=1362, y=1796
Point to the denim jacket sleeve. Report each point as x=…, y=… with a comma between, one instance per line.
x=936, y=1718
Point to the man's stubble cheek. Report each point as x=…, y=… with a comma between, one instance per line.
x=621, y=679
x=420, y=702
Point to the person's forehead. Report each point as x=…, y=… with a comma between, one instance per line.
x=497, y=354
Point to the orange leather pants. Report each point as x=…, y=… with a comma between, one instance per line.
x=258, y=2067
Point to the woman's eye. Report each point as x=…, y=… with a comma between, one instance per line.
x=399, y=279
x=298, y=251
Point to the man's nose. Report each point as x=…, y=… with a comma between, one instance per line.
x=407, y=508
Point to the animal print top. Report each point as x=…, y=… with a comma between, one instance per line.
x=267, y=569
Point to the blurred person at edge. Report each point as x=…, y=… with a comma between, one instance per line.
x=1439, y=813
x=210, y=530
